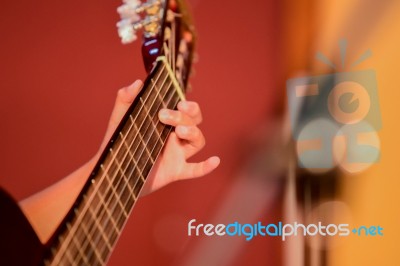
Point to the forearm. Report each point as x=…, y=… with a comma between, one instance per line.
x=45, y=210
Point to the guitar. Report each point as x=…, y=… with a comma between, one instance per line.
x=89, y=232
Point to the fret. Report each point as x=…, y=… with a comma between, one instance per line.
x=76, y=249
x=102, y=233
x=90, y=226
x=132, y=173
x=113, y=184
x=165, y=97
x=151, y=114
x=145, y=145
x=127, y=195
x=124, y=180
x=148, y=138
x=153, y=124
x=99, y=219
x=80, y=256
x=168, y=96
x=152, y=105
x=118, y=180
x=124, y=196
x=74, y=253
x=90, y=248
x=138, y=186
x=139, y=145
x=158, y=93
x=68, y=255
x=90, y=229
x=105, y=222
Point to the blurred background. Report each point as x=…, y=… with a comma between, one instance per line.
x=62, y=64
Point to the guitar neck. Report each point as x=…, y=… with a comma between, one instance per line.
x=90, y=231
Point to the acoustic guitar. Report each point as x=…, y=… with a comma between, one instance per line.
x=89, y=232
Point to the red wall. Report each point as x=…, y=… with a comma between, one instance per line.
x=61, y=65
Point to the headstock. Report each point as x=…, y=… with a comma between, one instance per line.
x=166, y=29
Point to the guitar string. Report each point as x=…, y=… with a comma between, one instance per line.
x=128, y=151
x=98, y=188
x=132, y=156
x=131, y=159
x=148, y=160
x=68, y=239
x=171, y=61
x=157, y=121
x=152, y=151
x=111, y=181
x=125, y=204
x=106, y=174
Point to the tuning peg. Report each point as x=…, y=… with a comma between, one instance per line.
x=132, y=2
x=126, y=31
x=129, y=10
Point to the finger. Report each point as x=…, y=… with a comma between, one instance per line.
x=174, y=118
x=193, y=170
x=192, y=109
x=193, y=136
x=125, y=97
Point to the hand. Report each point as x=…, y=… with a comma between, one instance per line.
x=183, y=143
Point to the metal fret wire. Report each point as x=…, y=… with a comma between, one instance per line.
x=111, y=181
x=145, y=147
x=154, y=131
x=123, y=161
x=65, y=244
x=103, y=211
x=132, y=155
x=105, y=228
x=124, y=177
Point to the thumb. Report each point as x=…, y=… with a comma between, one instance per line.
x=125, y=98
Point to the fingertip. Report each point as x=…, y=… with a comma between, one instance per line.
x=134, y=88
x=182, y=105
x=214, y=161
x=164, y=115
x=186, y=106
x=137, y=83
x=210, y=165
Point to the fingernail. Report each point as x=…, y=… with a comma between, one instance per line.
x=137, y=83
x=164, y=114
x=133, y=88
x=184, y=105
x=215, y=160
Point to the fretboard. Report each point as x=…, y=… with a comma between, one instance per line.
x=96, y=221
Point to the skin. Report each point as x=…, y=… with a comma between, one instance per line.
x=46, y=209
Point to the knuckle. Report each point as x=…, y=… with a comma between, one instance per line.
x=194, y=132
x=203, y=143
x=202, y=139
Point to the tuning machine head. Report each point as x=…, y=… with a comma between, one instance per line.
x=136, y=15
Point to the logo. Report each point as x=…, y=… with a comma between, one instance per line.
x=334, y=118
x=281, y=230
